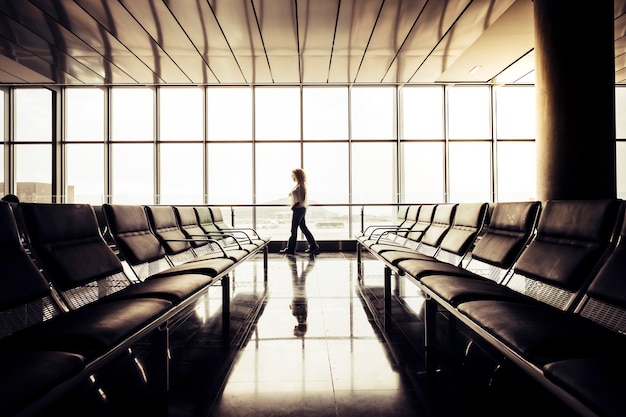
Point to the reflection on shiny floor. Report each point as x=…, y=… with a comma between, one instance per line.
x=314, y=350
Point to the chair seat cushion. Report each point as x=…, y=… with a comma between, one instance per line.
x=420, y=268
x=395, y=256
x=24, y=376
x=91, y=330
x=541, y=333
x=597, y=382
x=173, y=288
x=211, y=267
x=459, y=289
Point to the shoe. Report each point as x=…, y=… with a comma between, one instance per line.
x=314, y=250
x=287, y=251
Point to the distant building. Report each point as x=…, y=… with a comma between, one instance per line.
x=38, y=192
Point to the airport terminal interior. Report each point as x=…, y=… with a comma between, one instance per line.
x=126, y=124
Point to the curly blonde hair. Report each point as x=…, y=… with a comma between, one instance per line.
x=299, y=174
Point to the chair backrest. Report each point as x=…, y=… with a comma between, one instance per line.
x=130, y=229
x=469, y=220
x=605, y=299
x=443, y=218
x=510, y=228
x=26, y=297
x=424, y=220
x=68, y=245
x=164, y=225
x=572, y=238
x=205, y=220
x=409, y=220
x=188, y=223
x=218, y=218
x=402, y=213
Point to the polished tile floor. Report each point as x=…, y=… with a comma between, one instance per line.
x=314, y=350
x=308, y=341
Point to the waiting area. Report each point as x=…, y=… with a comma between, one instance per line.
x=124, y=310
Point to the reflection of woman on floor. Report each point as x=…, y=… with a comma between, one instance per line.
x=299, y=301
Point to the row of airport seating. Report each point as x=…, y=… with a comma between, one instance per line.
x=72, y=301
x=541, y=284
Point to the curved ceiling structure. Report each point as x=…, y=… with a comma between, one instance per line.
x=256, y=42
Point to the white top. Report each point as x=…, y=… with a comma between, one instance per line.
x=298, y=196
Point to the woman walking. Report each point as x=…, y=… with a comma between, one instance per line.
x=299, y=205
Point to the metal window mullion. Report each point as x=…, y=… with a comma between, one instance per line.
x=57, y=174
x=446, y=150
x=156, y=141
x=108, y=187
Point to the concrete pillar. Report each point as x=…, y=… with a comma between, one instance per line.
x=575, y=87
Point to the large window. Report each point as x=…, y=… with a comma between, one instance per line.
x=132, y=174
x=180, y=173
x=373, y=112
x=85, y=125
x=180, y=114
x=620, y=131
x=33, y=150
x=469, y=112
x=325, y=113
x=277, y=113
x=3, y=138
x=229, y=113
x=422, y=113
x=132, y=114
x=364, y=148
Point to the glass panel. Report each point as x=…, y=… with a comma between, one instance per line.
x=132, y=175
x=326, y=166
x=469, y=112
x=277, y=113
x=85, y=173
x=620, y=112
x=33, y=170
x=372, y=113
x=2, y=117
x=33, y=115
x=423, y=172
x=517, y=171
x=470, y=172
x=372, y=216
x=180, y=113
x=325, y=113
x=328, y=223
x=515, y=113
x=373, y=167
x=621, y=170
x=3, y=135
x=422, y=112
x=85, y=114
x=230, y=173
x=181, y=174
x=132, y=114
x=274, y=162
x=229, y=113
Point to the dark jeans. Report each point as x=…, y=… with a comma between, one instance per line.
x=297, y=220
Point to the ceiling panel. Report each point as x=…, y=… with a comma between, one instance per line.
x=316, y=22
x=117, y=20
x=180, y=42
x=504, y=39
x=394, y=23
x=204, y=32
x=238, y=22
x=277, y=24
x=355, y=22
